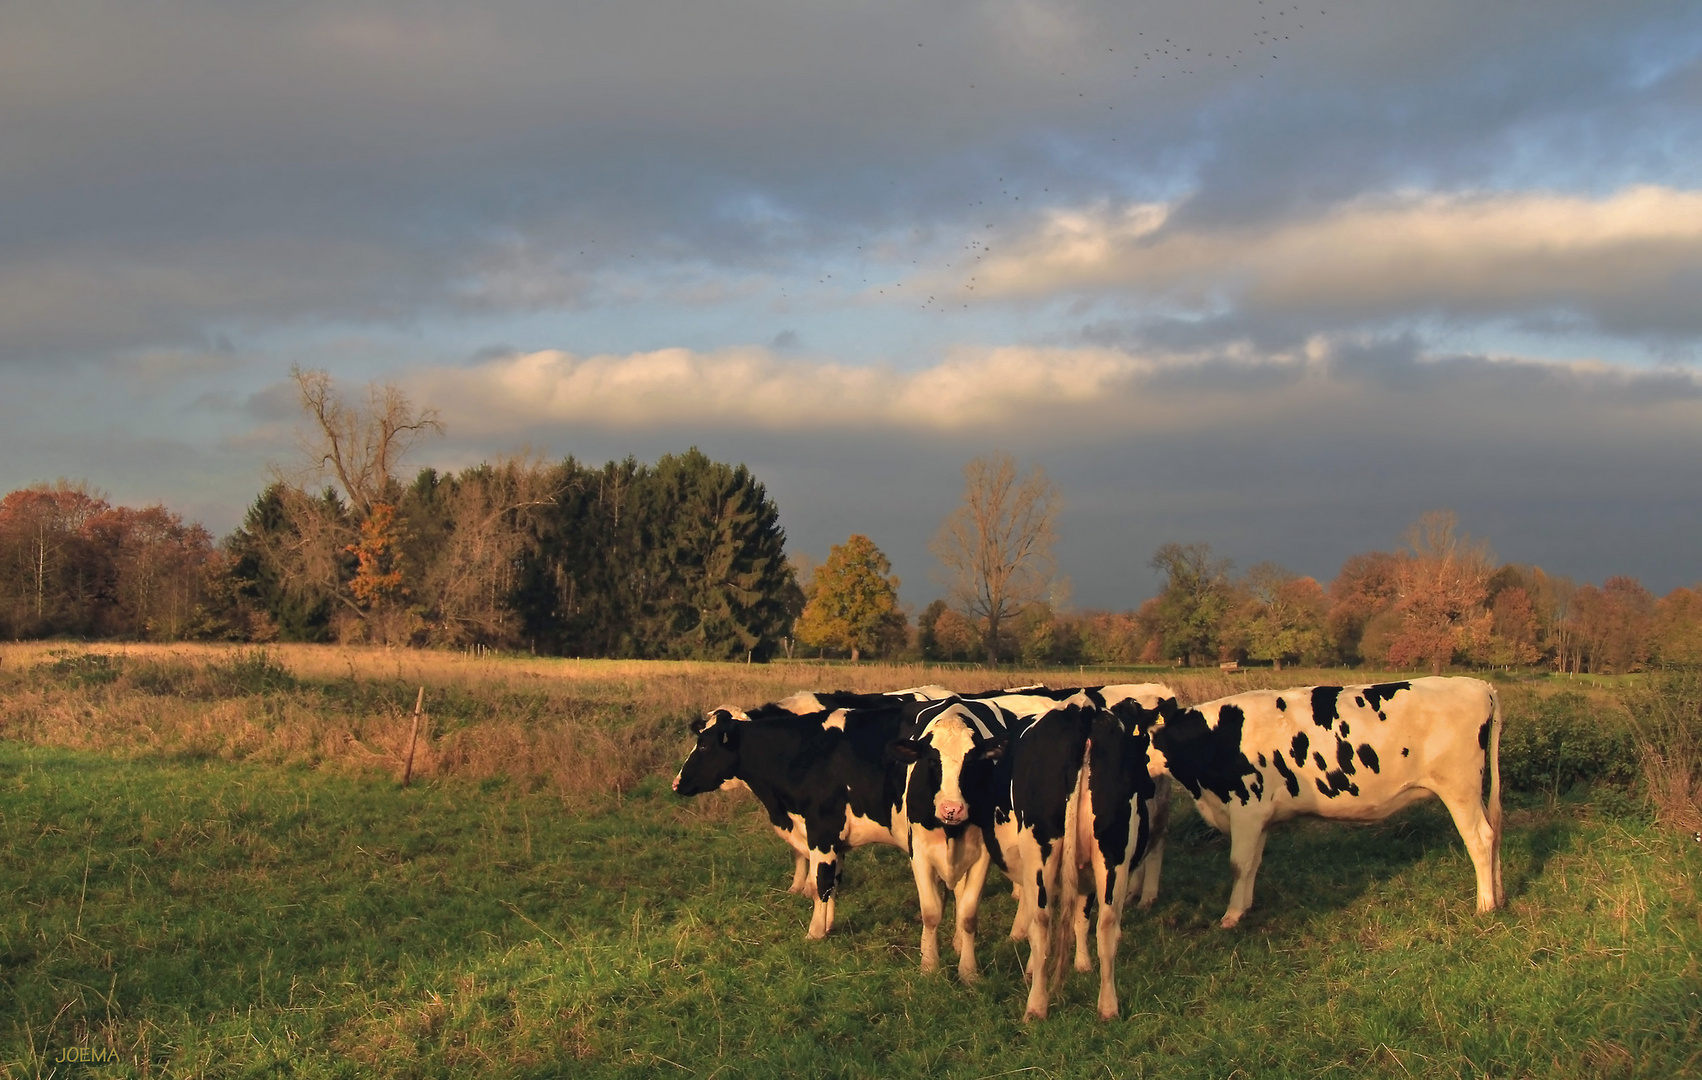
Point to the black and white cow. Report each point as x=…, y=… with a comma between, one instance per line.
x=823, y=778
x=952, y=756
x=1069, y=793
x=829, y=705
x=1353, y=753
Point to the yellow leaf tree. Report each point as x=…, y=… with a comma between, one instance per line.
x=853, y=601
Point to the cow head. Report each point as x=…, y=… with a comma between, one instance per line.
x=713, y=761
x=946, y=762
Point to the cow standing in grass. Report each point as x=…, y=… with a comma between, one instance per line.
x=1069, y=794
x=821, y=777
x=1352, y=753
x=829, y=707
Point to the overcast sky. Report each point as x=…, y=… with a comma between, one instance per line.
x=1277, y=277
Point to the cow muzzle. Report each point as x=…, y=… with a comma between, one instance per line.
x=951, y=813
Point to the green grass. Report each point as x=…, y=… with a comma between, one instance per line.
x=202, y=917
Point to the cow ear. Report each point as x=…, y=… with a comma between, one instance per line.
x=698, y=724
x=995, y=750
x=905, y=751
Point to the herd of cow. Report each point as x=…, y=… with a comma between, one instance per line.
x=1068, y=791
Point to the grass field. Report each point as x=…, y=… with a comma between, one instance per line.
x=202, y=876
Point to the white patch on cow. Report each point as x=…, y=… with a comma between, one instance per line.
x=836, y=721
x=951, y=737
x=801, y=703
x=931, y=692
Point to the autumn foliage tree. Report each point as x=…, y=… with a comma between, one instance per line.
x=1283, y=617
x=852, y=601
x=1443, y=582
x=72, y=563
x=1189, y=615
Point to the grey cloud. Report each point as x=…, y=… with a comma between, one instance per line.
x=197, y=164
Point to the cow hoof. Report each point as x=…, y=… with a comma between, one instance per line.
x=1034, y=1014
x=1230, y=922
x=968, y=978
x=1084, y=963
x=1112, y=1015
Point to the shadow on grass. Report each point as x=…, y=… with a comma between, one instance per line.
x=1543, y=839
x=1311, y=867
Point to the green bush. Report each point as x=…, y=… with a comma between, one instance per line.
x=1549, y=744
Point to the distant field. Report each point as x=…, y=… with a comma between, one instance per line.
x=206, y=868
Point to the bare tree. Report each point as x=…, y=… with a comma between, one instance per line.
x=997, y=546
x=493, y=510
x=360, y=447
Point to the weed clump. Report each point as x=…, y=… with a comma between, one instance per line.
x=1666, y=724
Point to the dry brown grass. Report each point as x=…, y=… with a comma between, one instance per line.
x=588, y=729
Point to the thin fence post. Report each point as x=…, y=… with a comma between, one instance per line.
x=413, y=737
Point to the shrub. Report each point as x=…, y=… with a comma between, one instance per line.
x=1551, y=743
x=1666, y=726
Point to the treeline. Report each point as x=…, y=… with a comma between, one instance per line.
x=681, y=559
x=1441, y=601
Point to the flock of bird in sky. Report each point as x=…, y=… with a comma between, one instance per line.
x=1162, y=56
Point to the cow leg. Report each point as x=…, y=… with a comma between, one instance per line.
x=1084, y=959
x=798, y=841
x=1019, y=923
x=967, y=904
x=1110, y=935
x=826, y=873
x=1246, y=848
x=1039, y=937
x=1481, y=844
x=933, y=906
x=1147, y=872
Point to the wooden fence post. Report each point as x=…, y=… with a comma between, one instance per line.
x=413, y=737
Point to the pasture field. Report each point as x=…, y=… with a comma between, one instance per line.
x=207, y=868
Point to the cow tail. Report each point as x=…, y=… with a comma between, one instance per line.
x=1493, y=809
x=1063, y=945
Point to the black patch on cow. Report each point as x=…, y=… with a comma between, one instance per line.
x=1298, y=750
x=1324, y=705
x=1344, y=756
x=1357, y=700
x=1368, y=756
x=1206, y=757
x=1343, y=729
x=1323, y=766
x=824, y=879
x=1261, y=761
x=1288, y=778
x=1040, y=881
x=1338, y=784
x=1405, y=751
x=1382, y=692
x=1483, y=734
x=1120, y=786
x=1282, y=706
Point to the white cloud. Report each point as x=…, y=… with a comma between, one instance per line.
x=1631, y=260
x=1054, y=395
